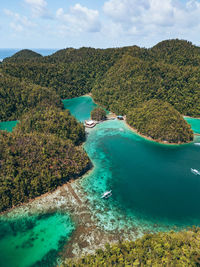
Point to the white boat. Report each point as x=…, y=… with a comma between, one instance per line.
x=90, y=124
x=107, y=194
x=197, y=144
x=196, y=172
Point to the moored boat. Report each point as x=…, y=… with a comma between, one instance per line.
x=194, y=171
x=107, y=194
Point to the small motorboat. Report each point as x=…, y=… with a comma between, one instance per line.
x=196, y=172
x=107, y=194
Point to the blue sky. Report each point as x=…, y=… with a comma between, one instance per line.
x=96, y=23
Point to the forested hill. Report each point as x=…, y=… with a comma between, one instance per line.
x=23, y=55
x=18, y=96
x=177, y=52
x=118, y=77
x=160, y=121
x=131, y=80
x=43, y=151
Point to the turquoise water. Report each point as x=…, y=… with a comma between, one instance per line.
x=8, y=125
x=152, y=184
x=80, y=107
x=195, y=124
x=33, y=240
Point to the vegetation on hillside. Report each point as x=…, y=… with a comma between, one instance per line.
x=160, y=121
x=71, y=72
x=17, y=97
x=98, y=114
x=23, y=55
x=41, y=153
x=177, y=52
x=32, y=164
x=52, y=120
x=119, y=77
x=161, y=249
x=151, y=86
x=131, y=81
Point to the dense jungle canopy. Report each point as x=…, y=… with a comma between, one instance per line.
x=160, y=121
x=122, y=80
x=161, y=249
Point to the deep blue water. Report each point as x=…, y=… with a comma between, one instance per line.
x=10, y=52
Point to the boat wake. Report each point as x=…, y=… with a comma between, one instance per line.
x=194, y=171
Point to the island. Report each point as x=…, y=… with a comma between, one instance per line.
x=158, y=120
x=151, y=88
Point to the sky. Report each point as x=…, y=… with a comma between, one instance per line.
x=97, y=23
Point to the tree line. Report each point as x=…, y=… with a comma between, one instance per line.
x=161, y=249
x=43, y=151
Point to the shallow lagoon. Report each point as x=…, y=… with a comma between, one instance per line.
x=152, y=184
x=80, y=107
x=33, y=240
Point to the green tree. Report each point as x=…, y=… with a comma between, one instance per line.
x=98, y=114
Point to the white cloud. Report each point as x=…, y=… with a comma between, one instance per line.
x=141, y=17
x=16, y=27
x=38, y=8
x=79, y=19
x=19, y=23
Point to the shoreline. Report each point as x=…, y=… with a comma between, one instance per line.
x=198, y=118
x=70, y=198
x=47, y=194
x=87, y=236
x=147, y=137
x=155, y=140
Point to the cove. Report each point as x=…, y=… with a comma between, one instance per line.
x=195, y=124
x=80, y=107
x=33, y=240
x=8, y=125
x=152, y=184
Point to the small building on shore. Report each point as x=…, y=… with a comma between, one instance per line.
x=90, y=123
